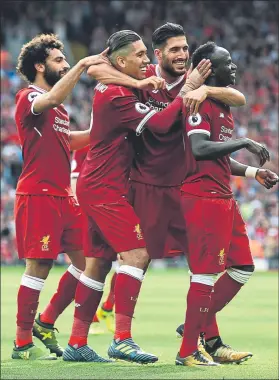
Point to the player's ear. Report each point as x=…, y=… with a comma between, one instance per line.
x=213, y=71
x=158, y=53
x=121, y=61
x=40, y=67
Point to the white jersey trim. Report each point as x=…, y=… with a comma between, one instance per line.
x=32, y=109
x=169, y=86
x=140, y=128
x=198, y=131
x=37, y=88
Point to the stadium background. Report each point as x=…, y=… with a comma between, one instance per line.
x=248, y=29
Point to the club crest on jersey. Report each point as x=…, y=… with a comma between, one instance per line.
x=45, y=240
x=194, y=120
x=222, y=257
x=137, y=230
x=32, y=95
x=142, y=108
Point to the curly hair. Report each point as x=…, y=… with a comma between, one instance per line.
x=36, y=51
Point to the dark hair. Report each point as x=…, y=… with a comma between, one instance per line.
x=121, y=39
x=36, y=51
x=203, y=52
x=164, y=32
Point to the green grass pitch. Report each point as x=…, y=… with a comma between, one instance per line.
x=249, y=322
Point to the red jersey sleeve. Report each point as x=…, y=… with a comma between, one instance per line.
x=25, y=102
x=201, y=122
x=131, y=113
x=137, y=116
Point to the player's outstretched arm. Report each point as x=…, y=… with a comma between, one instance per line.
x=205, y=149
x=161, y=122
x=65, y=85
x=265, y=177
x=229, y=96
x=107, y=74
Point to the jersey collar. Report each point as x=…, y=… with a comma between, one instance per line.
x=169, y=86
x=37, y=88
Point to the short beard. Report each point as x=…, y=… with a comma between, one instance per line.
x=168, y=68
x=51, y=77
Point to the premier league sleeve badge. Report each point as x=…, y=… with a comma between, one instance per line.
x=194, y=120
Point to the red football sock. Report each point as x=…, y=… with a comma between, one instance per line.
x=63, y=297
x=123, y=327
x=109, y=302
x=198, y=300
x=87, y=298
x=27, y=305
x=127, y=288
x=225, y=289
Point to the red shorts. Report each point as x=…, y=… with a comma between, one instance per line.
x=110, y=229
x=47, y=225
x=161, y=215
x=217, y=237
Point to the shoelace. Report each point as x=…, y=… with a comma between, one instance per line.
x=202, y=340
x=131, y=343
x=199, y=356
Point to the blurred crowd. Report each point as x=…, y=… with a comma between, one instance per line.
x=248, y=29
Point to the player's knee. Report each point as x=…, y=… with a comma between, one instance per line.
x=77, y=259
x=136, y=258
x=241, y=273
x=97, y=268
x=38, y=267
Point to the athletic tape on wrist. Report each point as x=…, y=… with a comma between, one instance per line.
x=251, y=172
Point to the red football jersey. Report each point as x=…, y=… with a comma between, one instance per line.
x=208, y=178
x=160, y=158
x=45, y=145
x=117, y=113
x=77, y=160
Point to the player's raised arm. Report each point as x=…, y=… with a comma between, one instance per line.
x=107, y=74
x=265, y=177
x=227, y=95
x=65, y=85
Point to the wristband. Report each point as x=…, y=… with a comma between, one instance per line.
x=251, y=172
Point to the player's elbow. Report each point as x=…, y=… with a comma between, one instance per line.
x=198, y=155
x=241, y=101
x=198, y=152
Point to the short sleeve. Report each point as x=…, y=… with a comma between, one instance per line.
x=26, y=103
x=201, y=122
x=130, y=112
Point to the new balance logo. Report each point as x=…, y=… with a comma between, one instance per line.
x=77, y=304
